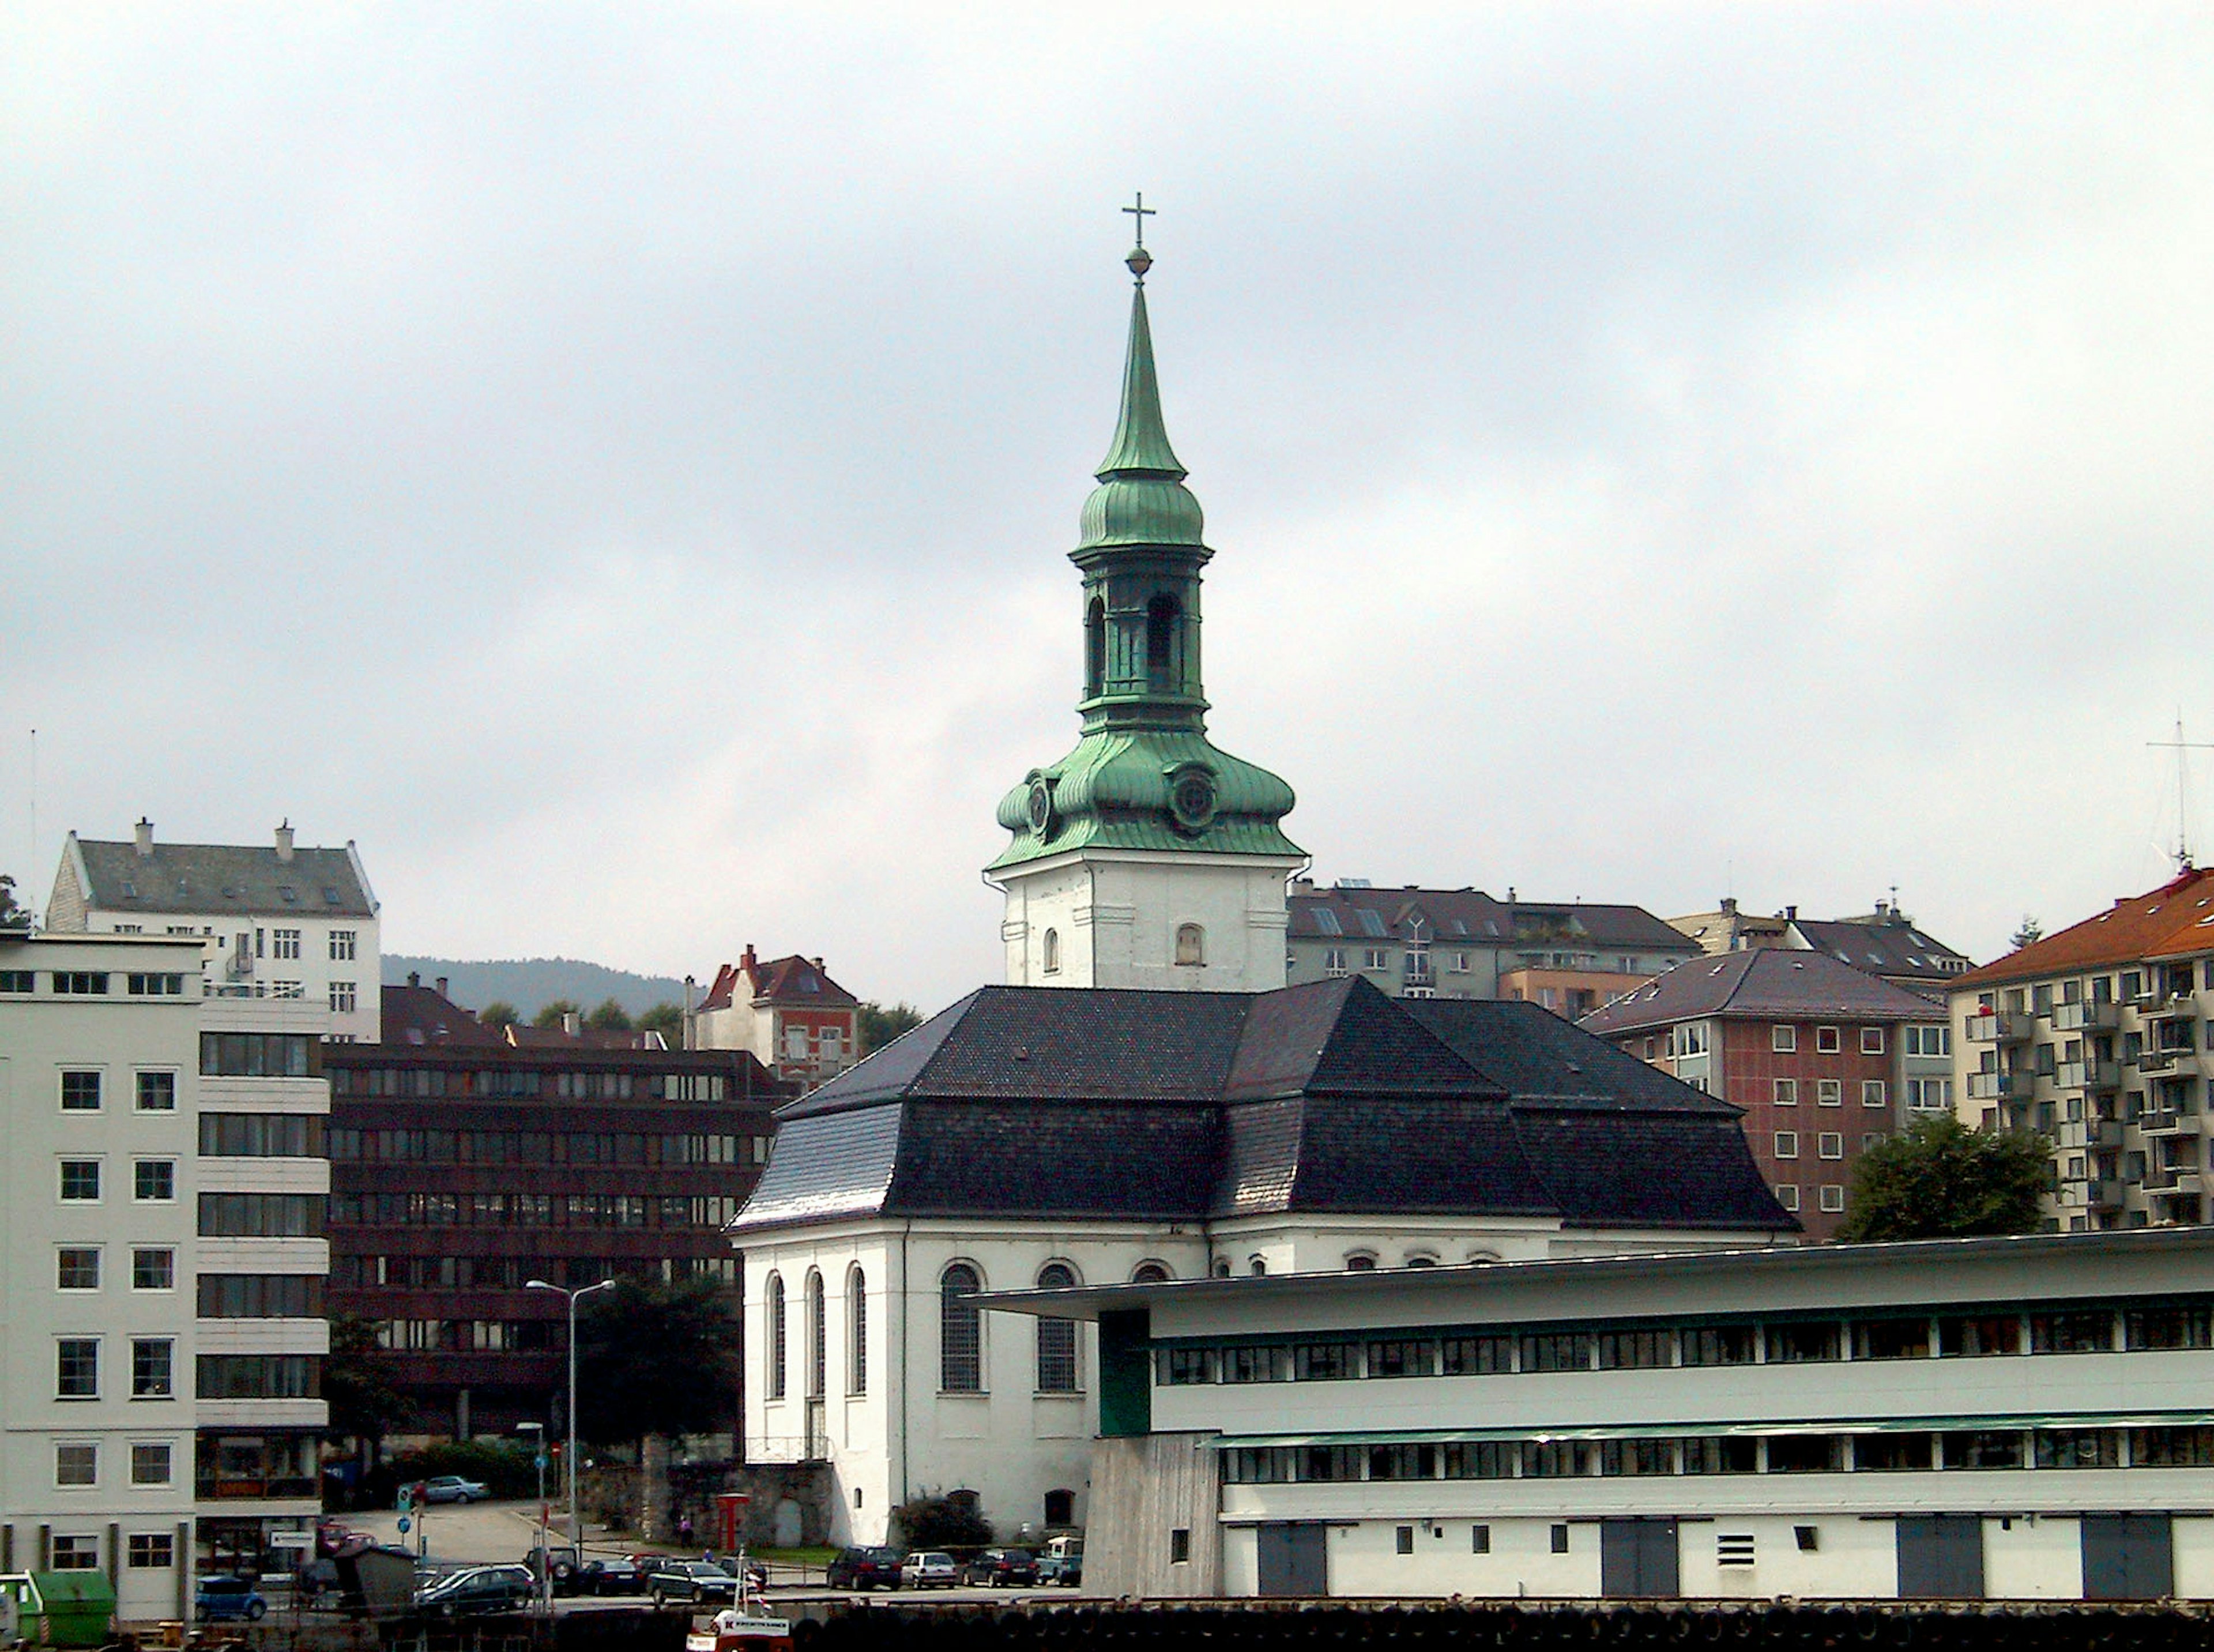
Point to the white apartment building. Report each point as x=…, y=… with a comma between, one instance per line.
x=291, y=957
x=99, y=1094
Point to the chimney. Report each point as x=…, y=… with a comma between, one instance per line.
x=746, y=960
x=284, y=842
x=1510, y=895
x=443, y=993
x=572, y=1023
x=1791, y=914
x=816, y=962
x=145, y=838
x=414, y=977
x=1729, y=905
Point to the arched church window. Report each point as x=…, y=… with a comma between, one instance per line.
x=1152, y=1273
x=1053, y=952
x=1256, y=1265
x=1190, y=944
x=1421, y=1259
x=1162, y=614
x=1223, y=1268
x=857, y=1332
x=817, y=1337
x=960, y=1332
x=1095, y=648
x=1056, y=1338
x=1360, y=1261
x=776, y=1335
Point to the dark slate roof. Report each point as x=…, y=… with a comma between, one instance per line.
x=416, y=1014
x=1762, y=983
x=1326, y=1098
x=1468, y=917
x=1885, y=946
x=200, y=877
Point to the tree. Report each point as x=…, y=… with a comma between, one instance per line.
x=498, y=1013
x=365, y=1404
x=1940, y=1179
x=610, y=1017
x=553, y=1014
x=2029, y=935
x=935, y=1522
x=656, y=1359
x=663, y=1018
x=11, y=915
x=879, y=1025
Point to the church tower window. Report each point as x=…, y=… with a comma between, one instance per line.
x=1095, y=649
x=1163, y=614
x=776, y=1337
x=1053, y=952
x=961, y=1336
x=857, y=1332
x=1056, y=1338
x=1152, y=1273
x=1191, y=945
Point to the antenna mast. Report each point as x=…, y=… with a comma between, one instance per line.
x=2181, y=747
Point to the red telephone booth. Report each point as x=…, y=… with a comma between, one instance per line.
x=730, y=1514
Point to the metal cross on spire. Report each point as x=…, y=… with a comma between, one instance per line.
x=1139, y=260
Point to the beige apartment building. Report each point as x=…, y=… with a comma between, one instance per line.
x=2098, y=1038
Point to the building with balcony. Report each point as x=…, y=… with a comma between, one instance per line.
x=2004, y=1419
x=1825, y=1060
x=796, y=1021
x=289, y=959
x=99, y=1250
x=1443, y=943
x=2098, y=1038
x=462, y=1168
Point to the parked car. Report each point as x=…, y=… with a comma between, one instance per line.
x=611, y=1578
x=1066, y=1570
x=478, y=1589
x=228, y=1600
x=1001, y=1568
x=696, y=1581
x=864, y=1568
x=563, y=1560
x=930, y=1568
x=452, y=1488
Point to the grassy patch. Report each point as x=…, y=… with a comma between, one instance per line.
x=816, y=1555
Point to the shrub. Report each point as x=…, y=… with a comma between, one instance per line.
x=930, y=1522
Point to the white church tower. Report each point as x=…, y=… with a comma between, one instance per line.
x=1145, y=857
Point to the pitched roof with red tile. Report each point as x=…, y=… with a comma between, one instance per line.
x=797, y=980
x=2174, y=921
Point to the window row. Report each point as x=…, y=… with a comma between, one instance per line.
x=153, y=1181
x=1841, y=1453
x=1831, y=1092
x=78, y=1268
x=262, y=1135
x=143, y=1550
x=2161, y=1328
x=259, y=1055
x=512, y=1273
x=529, y=1084
x=260, y=1296
x=261, y=1376
x=83, y=1091
x=1784, y=1039
x=76, y=1463
x=1828, y=1144
x=533, y=1209
x=262, y=1215
x=470, y=1336
x=76, y=1368
x=593, y=1148
x=94, y=983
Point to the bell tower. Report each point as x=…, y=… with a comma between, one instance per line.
x=1147, y=856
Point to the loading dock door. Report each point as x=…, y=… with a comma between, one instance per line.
x=1941, y=1557
x=1294, y=1558
x=1637, y=1559
x=2128, y=1558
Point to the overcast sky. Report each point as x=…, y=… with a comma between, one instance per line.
x=617, y=462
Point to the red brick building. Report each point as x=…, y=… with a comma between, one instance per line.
x=803, y=1026
x=1825, y=1062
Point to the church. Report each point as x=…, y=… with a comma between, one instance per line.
x=1147, y=1101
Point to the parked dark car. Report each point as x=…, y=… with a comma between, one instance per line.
x=478, y=1589
x=1001, y=1568
x=696, y=1581
x=864, y=1568
x=611, y=1578
x=563, y=1559
x=228, y=1600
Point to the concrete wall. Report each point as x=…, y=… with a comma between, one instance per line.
x=1142, y=1490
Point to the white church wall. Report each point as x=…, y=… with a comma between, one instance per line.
x=1114, y=918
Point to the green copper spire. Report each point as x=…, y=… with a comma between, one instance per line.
x=1144, y=775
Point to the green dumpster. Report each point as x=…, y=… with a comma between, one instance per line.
x=63, y=1608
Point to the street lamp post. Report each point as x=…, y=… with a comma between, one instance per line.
x=576, y=1515
x=537, y=1433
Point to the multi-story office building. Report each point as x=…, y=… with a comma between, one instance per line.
x=1459, y=943
x=463, y=1167
x=2099, y=1037
x=1825, y=1060
x=99, y=1092
x=290, y=960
